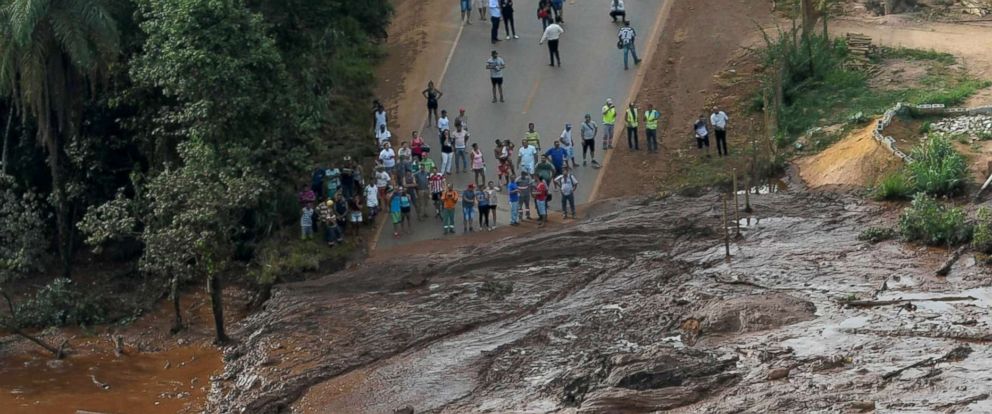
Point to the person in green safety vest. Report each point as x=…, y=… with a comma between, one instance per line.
x=651, y=127
x=609, y=119
x=630, y=119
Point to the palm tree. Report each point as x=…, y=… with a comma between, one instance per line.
x=52, y=54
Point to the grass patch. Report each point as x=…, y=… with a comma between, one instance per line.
x=918, y=54
x=982, y=237
x=284, y=256
x=876, y=234
x=937, y=168
x=929, y=222
x=895, y=186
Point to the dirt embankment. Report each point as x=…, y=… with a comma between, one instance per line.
x=857, y=160
x=636, y=310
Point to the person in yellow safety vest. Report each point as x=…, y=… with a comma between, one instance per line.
x=651, y=127
x=631, y=121
x=609, y=119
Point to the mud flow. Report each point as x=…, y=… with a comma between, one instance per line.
x=635, y=310
x=148, y=383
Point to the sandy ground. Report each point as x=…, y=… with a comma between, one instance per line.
x=857, y=160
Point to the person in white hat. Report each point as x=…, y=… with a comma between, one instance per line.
x=609, y=119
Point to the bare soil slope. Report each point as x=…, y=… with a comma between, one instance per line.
x=856, y=160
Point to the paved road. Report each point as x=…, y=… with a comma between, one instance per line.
x=592, y=70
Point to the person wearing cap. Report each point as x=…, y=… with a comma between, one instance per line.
x=468, y=208
x=718, y=119
x=609, y=119
x=588, y=131
x=567, y=144
x=630, y=118
x=449, y=200
x=651, y=127
x=327, y=216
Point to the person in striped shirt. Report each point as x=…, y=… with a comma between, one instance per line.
x=436, y=183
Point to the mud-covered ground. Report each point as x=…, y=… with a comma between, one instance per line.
x=634, y=310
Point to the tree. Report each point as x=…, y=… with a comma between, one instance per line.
x=52, y=54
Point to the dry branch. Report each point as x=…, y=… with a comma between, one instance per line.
x=876, y=303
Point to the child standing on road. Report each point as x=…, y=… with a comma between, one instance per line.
x=306, y=222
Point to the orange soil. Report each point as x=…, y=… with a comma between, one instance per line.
x=855, y=160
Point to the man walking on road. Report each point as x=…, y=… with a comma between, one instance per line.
x=651, y=127
x=495, y=14
x=627, y=36
x=567, y=184
x=609, y=119
x=630, y=119
x=719, y=121
x=588, y=132
x=495, y=64
x=551, y=35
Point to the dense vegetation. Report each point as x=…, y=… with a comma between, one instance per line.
x=171, y=133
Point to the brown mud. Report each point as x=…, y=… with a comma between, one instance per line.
x=634, y=310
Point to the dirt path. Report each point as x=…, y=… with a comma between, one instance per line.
x=681, y=78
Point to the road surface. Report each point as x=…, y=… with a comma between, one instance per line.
x=592, y=70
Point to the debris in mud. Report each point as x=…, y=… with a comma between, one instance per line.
x=778, y=373
x=495, y=290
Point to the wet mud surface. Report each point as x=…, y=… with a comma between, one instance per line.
x=633, y=310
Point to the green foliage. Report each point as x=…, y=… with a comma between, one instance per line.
x=22, y=238
x=876, y=234
x=919, y=55
x=982, y=238
x=929, y=222
x=937, y=168
x=60, y=303
x=895, y=186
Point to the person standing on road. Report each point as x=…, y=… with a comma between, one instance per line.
x=449, y=200
x=387, y=157
x=507, y=11
x=559, y=158
x=545, y=170
x=466, y=11
x=626, y=37
x=527, y=157
x=568, y=144
x=566, y=183
x=409, y=185
x=462, y=118
x=482, y=198
x=544, y=13
x=630, y=119
x=551, y=34
x=418, y=146
x=404, y=157
x=609, y=119
x=556, y=6
x=436, y=183
x=447, y=149
x=617, y=9
x=478, y=165
x=379, y=115
x=423, y=172
x=432, y=95
x=382, y=135
x=702, y=134
x=588, y=133
x=372, y=200
x=396, y=211
x=651, y=127
x=513, y=193
x=493, y=191
x=495, y=15
x=524, y=187
x=496, y=64
x=443, y=125
x=541, y=202
x=532, y=137
x=482, y=9
x=719, y=121
x=468, y=208
x=460, y=139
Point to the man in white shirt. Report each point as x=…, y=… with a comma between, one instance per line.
x=495, y=65
x=382, y=135
x=567, y=184
x=460, y=137
x=719, y=121
x=495, y=14
x=443, y=125
x=526, y=157
x=388, y=157
x=626, y=36
x=566, y=143
x=617, y=9
x=551, y=34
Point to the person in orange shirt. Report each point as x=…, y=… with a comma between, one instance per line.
x=449, y=200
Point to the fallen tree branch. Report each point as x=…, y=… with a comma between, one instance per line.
x=946, y=267
x=956, y=354
x=59, y=352
x=739, y=282
x=907, y=333
x=965, y=401
x=876, y=303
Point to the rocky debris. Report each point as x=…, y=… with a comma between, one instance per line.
x=599, y=320
x=974, y=125
x=977, y=7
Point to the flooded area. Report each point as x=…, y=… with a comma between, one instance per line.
x=635, y=310
x=169, y=382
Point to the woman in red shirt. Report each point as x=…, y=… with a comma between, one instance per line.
x=541, y=200
x=417, y=145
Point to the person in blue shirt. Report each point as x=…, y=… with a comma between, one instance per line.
x=557, y=154
x=514, y=192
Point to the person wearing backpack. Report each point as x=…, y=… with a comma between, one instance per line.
x=566, y=183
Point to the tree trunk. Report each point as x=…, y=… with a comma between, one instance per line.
x=177, y=324
x=62, y=222
x=217, y=305
x=6, y=140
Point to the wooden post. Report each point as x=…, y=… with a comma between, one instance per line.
x=737, y=208
x=747, y=196
x=726, y=232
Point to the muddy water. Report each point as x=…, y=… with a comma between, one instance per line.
x=169, y=382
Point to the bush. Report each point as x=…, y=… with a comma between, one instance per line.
x=982, y=238
x=876, y=234
x=937, y=168
x=894, y=187
x=929, y=222
x=60, y=303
